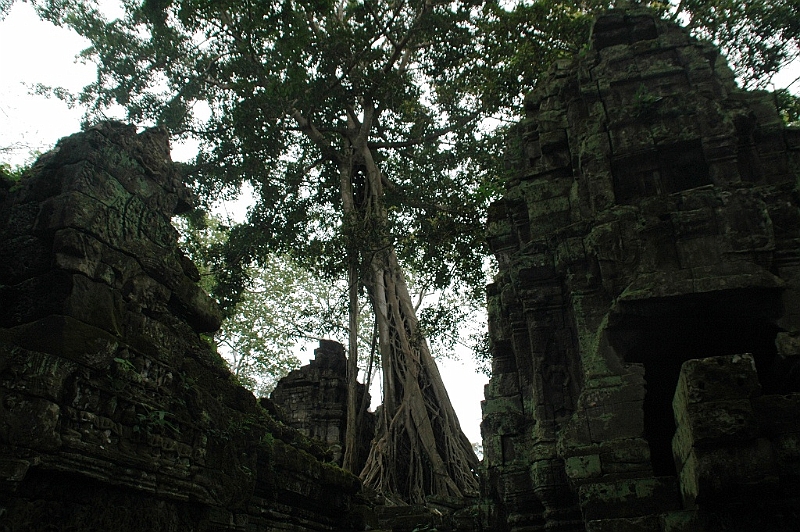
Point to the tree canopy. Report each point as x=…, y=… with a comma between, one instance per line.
x=268, y=87
x=758, y=38
x=279, y=82
x=369, y=133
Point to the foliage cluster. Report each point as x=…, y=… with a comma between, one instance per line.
x=284, y=308
x=280, y=305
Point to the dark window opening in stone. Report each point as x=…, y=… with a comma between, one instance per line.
x=746, y=153
x=509, y=453
x=683, y=166
x=636, y=177
x=663, y=333
x=669, y=169
x=612, y=31
x=747, y=162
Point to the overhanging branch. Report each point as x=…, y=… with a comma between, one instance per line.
x=427, y=138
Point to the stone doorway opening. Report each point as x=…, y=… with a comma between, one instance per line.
x=663, y=333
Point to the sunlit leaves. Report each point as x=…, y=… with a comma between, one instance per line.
x=788, y=106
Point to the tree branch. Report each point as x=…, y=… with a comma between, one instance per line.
x=316, y=136
x=399, y=48
x=428, y=138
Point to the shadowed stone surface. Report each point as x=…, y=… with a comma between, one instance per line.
x=314, y=400
x=651, y=222
x=115, y=414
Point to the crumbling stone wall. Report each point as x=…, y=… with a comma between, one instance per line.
x=313, y=400
x=651, y=221
x=115, y=414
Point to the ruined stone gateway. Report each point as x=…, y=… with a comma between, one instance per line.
x=644, y=324
x=645, y=329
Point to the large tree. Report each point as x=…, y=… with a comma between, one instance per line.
x=356, y=123
x=351, y=122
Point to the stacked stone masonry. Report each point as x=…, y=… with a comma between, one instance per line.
x=115, y=413
x=313, y=400
x=644, y=323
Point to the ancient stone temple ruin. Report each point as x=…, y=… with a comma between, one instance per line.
x=645, y=329
x=313, y=400
x=644, y=324
x=115, y=413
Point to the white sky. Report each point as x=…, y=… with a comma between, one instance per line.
x=32, y=51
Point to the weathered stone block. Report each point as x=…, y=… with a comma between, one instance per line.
x=503, y=384
x=628, y=498
x=601, y=190
x=648, y=523
x=732, y=472
x=715, y=379
x=502, y=405
x=694, y=223
x=570, y=252
x=552, y=140
x=30, y=422
x=583, y=467
x=39, y=374
x=549, y=214
x=747, y=226
x=625, y=458
x=12, y=472
x=535, y=269
x=699, y=251
x=631, y=138
x=622, y=420
x=683, y=521
x=787, y=455
x=23, y=257
x=553, y=165
x=682, y=443
x=717, y=422
x=516, y=483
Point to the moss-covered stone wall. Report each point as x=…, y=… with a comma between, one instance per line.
x=652, y=219
x=115, y=413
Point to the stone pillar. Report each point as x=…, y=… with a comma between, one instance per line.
x=718, y=448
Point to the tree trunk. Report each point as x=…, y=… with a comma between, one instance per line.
x=419, y=448
x=351, y=446
x=349, y=461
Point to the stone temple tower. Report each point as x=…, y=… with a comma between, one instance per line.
x=644, y=324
